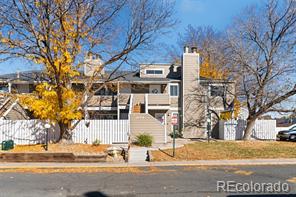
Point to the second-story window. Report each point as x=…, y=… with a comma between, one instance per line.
x=154, y=72
x=174, y=90
x=217, y=91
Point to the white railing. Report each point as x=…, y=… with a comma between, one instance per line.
x=234, y=129
x=33, y=131
x=131, y=104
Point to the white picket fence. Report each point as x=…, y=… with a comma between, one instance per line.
x=107, y=131
x=234, y=129
x=34, y=132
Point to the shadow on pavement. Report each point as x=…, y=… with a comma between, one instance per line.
x=100, y=194
x=94, y=194
x=90, y=194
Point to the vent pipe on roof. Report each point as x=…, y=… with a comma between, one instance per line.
x=17, y=74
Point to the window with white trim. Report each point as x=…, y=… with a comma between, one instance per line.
x=174, y=90
x=154, y=72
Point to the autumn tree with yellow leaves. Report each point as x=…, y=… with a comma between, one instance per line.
x=57, y=34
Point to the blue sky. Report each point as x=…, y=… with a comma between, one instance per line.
x=216, y=13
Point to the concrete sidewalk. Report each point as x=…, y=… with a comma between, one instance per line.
x=148, y=164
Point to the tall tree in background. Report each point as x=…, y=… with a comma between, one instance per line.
x=211, y=47
x=214, y=66
x=263, y=43
x=58, y=33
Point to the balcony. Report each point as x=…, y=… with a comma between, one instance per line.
x=158, y=100
x=152, y=101
x=103, y=101
x=124, y=99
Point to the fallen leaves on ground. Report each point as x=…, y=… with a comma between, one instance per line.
x=72, y=170
x=225, y=150
x=45, y=170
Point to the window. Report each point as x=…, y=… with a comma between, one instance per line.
x=154, y=72
x=174, y=90
x=217, y=91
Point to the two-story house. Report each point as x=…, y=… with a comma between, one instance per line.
x=157, y=99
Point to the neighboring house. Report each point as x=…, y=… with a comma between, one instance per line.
x=150, y=98
x=10, y=109
x=285, y=122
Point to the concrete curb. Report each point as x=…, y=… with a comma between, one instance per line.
x=149, y=164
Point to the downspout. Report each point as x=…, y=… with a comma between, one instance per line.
x=165, y=128
x=118, y=110
x=146, y=103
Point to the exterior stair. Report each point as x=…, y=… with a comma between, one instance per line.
x=137, y=154
x=145, y=123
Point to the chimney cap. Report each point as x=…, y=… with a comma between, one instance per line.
x=186, y=49
x=194, y=49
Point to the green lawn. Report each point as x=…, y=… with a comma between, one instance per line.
x=229, y=150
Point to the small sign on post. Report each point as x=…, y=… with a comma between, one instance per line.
x=174, y=122
x=174, y=119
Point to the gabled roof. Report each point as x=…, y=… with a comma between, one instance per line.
x=37, y=75
x=30, y=76
x=11, y=109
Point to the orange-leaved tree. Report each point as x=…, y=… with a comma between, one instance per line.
x=56, y=34
x=211, y=70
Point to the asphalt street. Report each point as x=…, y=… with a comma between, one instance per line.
x=160, y=181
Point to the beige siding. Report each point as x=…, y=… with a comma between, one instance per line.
x=158, y=99
x=175, y=102
x=138, y=99
x=190, y=72
x=164, y=67
x=123, y=99
x=98, y=101
x=192, y=109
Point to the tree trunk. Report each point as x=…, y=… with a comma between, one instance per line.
x=65, y=135
x=249, y=128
